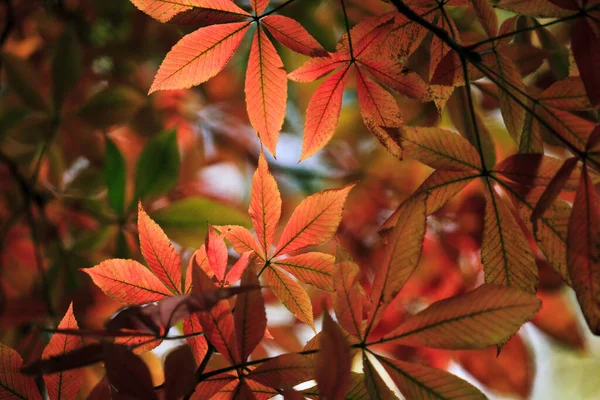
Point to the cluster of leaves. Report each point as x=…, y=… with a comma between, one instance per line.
x=539, y=206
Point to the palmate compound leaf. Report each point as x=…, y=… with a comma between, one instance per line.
x=265, y=206
x=583, y=250
x=199, y=56
x=259, y=5
x=421, y=382
x=334, y=361
x=266, y=89
x=64, y=385
x=486, y=316
x=13, y=384
x=196, y=12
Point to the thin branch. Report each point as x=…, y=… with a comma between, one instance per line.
x=279, y=7
x=442, y=34
x=347, y=30
x=463, y=61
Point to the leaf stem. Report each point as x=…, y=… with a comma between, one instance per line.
x=348, y=30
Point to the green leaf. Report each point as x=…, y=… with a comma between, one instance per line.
x=66, y=66
x=114, y=175
x=113, y=105
x=185, y=221
x=21, y=78
x=157, y=169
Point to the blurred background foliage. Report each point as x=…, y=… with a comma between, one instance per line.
x=80, y=142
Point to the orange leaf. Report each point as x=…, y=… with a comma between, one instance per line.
x=421, y=382
x=266, y=90
x=259, y=5
x=403, y=252
x=216, y=254
x=250, y=317
x=316, y=269
x=316, y=68
x=292, y=35
x=395, y=76
x=199, y=56
x=468, y=321
x=286, y=370
x=291, y=295
x=240, y=238
x=323, y=113
x=334, y=361
x=348, y=299
x=505, y=253
x=206, y=12
x=158, y=252
x=265, y=205
x=66, y=384
x=217, y=323
x=314, y=221
x=378, y=109
x=127, y=281
x=583, y=250
x=13, y=384
x=439, y=148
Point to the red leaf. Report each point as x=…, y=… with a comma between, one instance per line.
x=158, y=252
x=217, y=323
x=585, y=44
x=216, y=254
x=291, y=295
x=179, y=370
x=64, y=385
x=198, y=343
x=265, y=205
x=292, y=35
x=334, y=361
x=286, y=370
x=13, y=384
x=323, y=113
x=259, y=5
x=199, y=56
x=250, y=317
x=583, y=250
x=240, y=239
x=349, y=298
x=316, y=68
x=266, y=90
x=128, y=373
